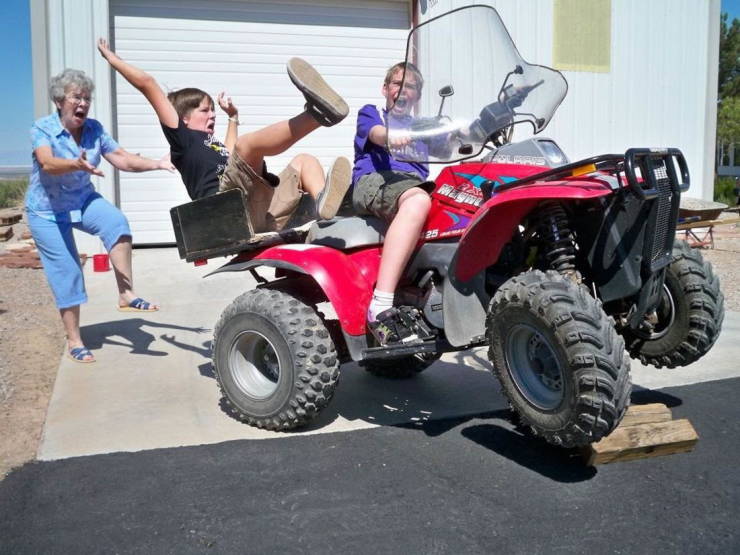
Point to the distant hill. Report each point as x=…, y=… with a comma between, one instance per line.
x=12, y=172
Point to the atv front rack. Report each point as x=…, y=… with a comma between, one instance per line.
x=647, y=160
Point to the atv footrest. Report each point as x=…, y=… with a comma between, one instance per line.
x=398, y=350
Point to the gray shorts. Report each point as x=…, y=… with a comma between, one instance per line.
x=377, y=194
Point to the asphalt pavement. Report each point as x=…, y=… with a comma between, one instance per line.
x=139, y=457
x=463, y=485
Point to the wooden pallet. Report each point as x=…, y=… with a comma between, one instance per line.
x=645, y=431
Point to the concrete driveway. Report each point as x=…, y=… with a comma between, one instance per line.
x=153, y=385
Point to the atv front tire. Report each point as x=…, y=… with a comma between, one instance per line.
x=559, y=360
x=274, y=360
x=690, y=314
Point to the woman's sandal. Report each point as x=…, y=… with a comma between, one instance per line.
x=78, y=354
x=138, y=305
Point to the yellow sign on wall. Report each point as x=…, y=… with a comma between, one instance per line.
x=582, y=35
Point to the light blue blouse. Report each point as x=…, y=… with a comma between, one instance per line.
x=61, y=197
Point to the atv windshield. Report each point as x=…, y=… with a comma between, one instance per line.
x=465, y=84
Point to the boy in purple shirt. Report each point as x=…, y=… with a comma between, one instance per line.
x=393, y=190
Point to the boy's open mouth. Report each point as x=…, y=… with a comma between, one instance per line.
x=400, y=103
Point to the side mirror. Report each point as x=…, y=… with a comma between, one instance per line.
x=447, y=90
x=444, y=92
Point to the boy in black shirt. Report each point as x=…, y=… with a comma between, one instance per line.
x=207, y=166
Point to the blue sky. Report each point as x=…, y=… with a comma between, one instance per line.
x=17, y=83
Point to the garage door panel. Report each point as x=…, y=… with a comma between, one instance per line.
x=242, y=47
x=224, y=13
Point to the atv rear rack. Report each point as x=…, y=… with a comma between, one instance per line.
x=218, y=225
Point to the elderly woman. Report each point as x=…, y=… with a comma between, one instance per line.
x=67, y=148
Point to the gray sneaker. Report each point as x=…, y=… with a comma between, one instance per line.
x=322, y=102
x=337, y=184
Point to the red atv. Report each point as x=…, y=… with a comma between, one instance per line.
x=555, y=266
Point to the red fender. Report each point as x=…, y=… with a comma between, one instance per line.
x=346, y=279
x=495, y=222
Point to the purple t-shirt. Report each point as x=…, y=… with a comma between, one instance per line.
x=371, y=158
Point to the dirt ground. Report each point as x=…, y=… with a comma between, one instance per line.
x=32, y=342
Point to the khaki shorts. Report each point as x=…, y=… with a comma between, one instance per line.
x=270, y=199
x=377, y=194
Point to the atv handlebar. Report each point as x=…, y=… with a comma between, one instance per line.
x=500, y=114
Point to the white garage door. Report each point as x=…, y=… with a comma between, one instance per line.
x=241, y=47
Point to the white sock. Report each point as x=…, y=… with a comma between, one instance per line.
x=381, y=301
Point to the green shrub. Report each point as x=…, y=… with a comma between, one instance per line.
x=12, y=191
x=724, y=190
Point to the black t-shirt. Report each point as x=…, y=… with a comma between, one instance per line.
x=198, y=157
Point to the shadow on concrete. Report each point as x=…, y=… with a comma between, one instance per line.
x=433, y=401
x=204, y=350
x=206, y=370
x=132, y=334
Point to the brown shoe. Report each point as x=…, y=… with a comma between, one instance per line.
x=322, y=102
x=337, y=184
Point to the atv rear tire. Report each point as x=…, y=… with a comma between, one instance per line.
x=275, y=362
x=561, y=364
x=689, y=316
x=401, y=368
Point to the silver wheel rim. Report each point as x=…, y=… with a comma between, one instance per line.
x=666, y=314
x=534, y=367
x=254, y=365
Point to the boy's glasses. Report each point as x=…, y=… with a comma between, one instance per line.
x=409, y=86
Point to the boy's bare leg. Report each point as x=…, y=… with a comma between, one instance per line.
x=274, y=139
x=310, y=173
x=402, y=236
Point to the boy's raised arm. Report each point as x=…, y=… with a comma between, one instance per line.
x=144, y=82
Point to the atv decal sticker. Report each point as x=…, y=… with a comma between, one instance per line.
x=458, y=221
x=476, y=180
x=460, y=196
x=520, y=160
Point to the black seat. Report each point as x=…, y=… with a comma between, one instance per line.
x=347, y=233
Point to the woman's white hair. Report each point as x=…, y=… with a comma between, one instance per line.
x=69, y=77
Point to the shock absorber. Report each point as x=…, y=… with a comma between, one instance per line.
x=559, y=244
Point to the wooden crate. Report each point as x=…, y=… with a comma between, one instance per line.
x=645, y=431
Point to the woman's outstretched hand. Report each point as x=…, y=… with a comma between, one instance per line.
x=165, y=163
x=85, y=166
x=227, y=105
